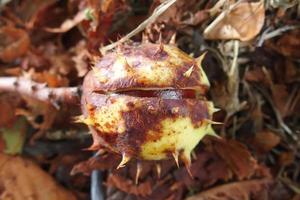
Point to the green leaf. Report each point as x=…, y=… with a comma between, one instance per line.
x=89, y=14
x=14, y=137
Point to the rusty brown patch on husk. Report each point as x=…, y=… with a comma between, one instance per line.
x=139, y=120
x=140, y=56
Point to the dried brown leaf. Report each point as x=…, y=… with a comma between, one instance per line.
x=266, y=140
x=22, y=179
x=243, y=21
x=8, y=105
x=255, y=75
x=243, y=190
x=102, y=162
x=2, y=145
x=207, y=169
x=286, y=158
x=14, y=43
x=198, y=18
x=237, y=157
x=288, y=44
x=35, y=110
x=28, y=11
x=43, y=13
x=142, y=189
x=51, y=79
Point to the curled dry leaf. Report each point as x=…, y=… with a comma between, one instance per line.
x=143, y=189
x=286, y=158
x=29, y=12
x=102, y=162
x=255, y=75
x=22, y=179
x=242, y=21
x=36, y=109
x=243, y=190
x=8, y=105
x=207, y=169
x=266, y=140
x=14, y=43
x=51, y=79
x=237, y=157
x=288, y=44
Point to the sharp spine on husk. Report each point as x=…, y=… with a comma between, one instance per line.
x=213, y=122
x=200, y=59
x=145, y=39
x=125, y=159
x=216, y=110
x=158, y=169
x=186, y=158
x=173, y=39
x=188, y=72
x=175, y=156
x=138, y=172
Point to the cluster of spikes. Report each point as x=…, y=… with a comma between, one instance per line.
x=139, y=166
x=184, y=156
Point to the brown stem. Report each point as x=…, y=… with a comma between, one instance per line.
x=40, y=91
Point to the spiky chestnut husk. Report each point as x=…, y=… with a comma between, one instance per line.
x=139, y=101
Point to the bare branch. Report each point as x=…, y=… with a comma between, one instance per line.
x=40, y=91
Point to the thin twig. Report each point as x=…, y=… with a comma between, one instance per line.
x=40, y=91
x=279, y=31
x=216, y=8
x=156, y=13
x=292, y=100
x=233, y=87
x=277, y=115
x=221, y=16
x=234, y=66
x=268, y=35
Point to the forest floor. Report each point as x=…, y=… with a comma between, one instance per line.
x=253, y=65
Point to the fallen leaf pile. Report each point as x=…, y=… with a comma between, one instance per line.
x=242, y=21
x=22, y=179
x=252, y=63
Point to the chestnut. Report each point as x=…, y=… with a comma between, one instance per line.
x=147, y=101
